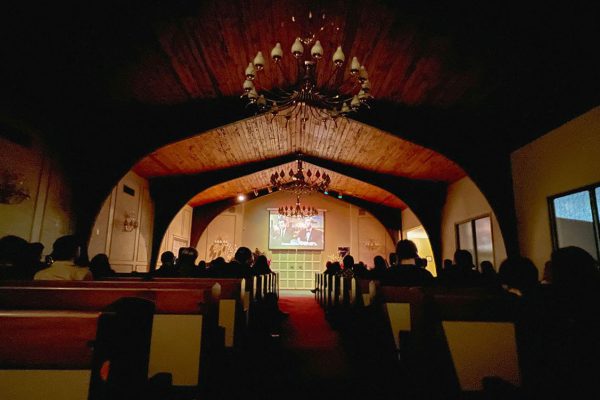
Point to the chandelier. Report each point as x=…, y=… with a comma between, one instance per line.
x=297, y=211
x=300, y=182
x=305, y=97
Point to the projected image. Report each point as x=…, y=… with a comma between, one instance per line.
x=296, y=233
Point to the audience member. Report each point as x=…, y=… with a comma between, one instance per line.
x=100, y=267
x=186, y=262
x=68, y=257
x=167, y=265
x=217, y=266
x=489, y=276
x=261, y=266
x=518, y=275
x=239, y=267
x=348, y=267
x=408, y=271
x=13, y=258
x=379, y=268
x=463, y=273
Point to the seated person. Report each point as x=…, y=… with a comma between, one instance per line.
x=186, y=262
x=408, y=272
x=167, y=267
x=68, y=261
x=100, y=267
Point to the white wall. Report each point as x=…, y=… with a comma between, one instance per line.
x=247, y=225
x=564, y=159
x=412, y=229
x=127, y=250
x=465, y=201
x=47, y=214
x=178, y=233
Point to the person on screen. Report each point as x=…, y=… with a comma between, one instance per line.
x=310, y=236
x=282, y=235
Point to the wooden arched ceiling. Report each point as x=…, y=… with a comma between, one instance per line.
x=256, y=139
x=260, y=180
x=203, y=55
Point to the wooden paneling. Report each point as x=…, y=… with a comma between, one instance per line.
x=257, y=139
x=205, y=53
x=260, y=180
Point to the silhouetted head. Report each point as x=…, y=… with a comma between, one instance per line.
x=487, y=268
x=335, y=267
x=518, y=272
x=167, y=257
x=348, y=262
x=100, y=266
x=379, y=263
x=100, y=261
x=447, y=264
x=243, y=255
x=12, y=250
x=217, y=263
x=187, y=255
x=406, y=250
x=573, y=267
x=66, y=248
x=261, y=265
x=463, y=258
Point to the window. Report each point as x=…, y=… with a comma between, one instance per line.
x=574, y=219
x=475, y=236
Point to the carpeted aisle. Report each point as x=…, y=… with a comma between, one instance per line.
x=309, y=359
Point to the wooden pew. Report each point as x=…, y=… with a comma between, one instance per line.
x=57, y=354
x=230, y=299
x=177, y=329
x=473, y=331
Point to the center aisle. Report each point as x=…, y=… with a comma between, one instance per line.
x=309, y=359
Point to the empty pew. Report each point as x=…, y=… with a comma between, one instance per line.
x=58, y=354
x=473, y=337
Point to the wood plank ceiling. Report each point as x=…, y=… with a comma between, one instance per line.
x=256, y=139
x=260, y=180
x=203, y=55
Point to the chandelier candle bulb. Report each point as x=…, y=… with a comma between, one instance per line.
x=354, y=66
x=277, y=52
x=362, y=74
x=317, y=51
x=248, y=86
x=297, y=48
x=339, y=57
x=250, y=72
x=259, y=61
x=252, y=95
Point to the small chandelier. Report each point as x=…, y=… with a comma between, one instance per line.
x=300, y=182
x=297, y=211
x=12, y=188
x=305, y=98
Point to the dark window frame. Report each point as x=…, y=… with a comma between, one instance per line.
x=473, y=232
x=591, y=189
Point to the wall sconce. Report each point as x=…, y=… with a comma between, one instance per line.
x=371, y=245
x=12, y=189
x=130, y=222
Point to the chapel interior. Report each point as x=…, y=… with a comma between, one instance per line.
x=128, y=126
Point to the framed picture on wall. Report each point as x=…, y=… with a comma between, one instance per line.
x=178, y=243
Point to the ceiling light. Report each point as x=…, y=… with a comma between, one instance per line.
x=241, y=197
x=301, y=182
x=297, y=211
x=306, y=97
